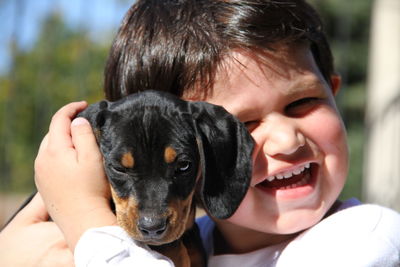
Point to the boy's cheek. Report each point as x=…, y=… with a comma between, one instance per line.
x=331, y=139
x=335, y=138
x=259, y=158
x=326, y=128
x=260, y=168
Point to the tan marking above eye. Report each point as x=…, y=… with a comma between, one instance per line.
x=127, y=160
x=169, y=154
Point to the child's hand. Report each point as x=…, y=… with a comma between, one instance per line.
x=30, y=240
x=69, y=175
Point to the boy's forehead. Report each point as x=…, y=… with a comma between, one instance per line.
x=289, y=64
x=275, y=62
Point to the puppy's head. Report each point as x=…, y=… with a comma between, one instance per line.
x=157, y=148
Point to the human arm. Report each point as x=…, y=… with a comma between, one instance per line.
x=31, y=240
x=70, y=177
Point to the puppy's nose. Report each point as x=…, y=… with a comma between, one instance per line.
x=152, y=227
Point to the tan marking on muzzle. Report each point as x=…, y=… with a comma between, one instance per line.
x=180, y=215
x=127, y=214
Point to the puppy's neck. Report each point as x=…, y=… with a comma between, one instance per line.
x=176, y=251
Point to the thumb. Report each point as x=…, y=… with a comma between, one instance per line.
x=84, y=140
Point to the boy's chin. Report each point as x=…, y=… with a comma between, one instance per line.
x=287, y=223
x=298, y=220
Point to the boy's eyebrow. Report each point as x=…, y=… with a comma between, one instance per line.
x=306, y=86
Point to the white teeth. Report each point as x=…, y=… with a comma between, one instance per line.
x=289, y=174
x=295, y=172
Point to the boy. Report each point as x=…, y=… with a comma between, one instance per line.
x=268, y=63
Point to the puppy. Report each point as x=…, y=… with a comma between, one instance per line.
x=162, y=155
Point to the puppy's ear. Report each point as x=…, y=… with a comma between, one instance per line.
x=225, y=148
x=96, y=115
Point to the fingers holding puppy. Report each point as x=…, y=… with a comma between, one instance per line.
x=60, y=126
x=84, y=139
x=70, y=177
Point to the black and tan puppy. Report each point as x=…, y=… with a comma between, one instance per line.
x=163, y=154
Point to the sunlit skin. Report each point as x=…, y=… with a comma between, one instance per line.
x=290, y=111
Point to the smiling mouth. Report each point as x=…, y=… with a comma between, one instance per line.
x=288, y=180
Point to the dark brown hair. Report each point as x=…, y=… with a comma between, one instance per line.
x=175, y=45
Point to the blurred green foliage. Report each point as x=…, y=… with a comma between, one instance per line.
x=65, y=65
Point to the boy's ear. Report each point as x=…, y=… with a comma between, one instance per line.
x=96, y=114
x=225, y=148
x=336, y=83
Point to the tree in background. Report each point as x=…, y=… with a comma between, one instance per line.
x=63, y=66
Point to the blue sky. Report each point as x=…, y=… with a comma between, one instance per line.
x=98, y=16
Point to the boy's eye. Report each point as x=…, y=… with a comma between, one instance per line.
x=302, y=106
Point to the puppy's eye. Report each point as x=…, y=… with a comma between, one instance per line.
x=183, y=166
x=119, y=169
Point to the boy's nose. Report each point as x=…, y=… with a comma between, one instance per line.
x=283, y=137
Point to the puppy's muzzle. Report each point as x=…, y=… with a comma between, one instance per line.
x=152, y=227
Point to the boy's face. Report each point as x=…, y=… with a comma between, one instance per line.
x=291, y=113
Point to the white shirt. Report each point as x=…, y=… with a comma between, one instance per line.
x=363, y=235
x=112, y=246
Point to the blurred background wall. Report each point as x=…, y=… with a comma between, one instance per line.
x=53, y=52
x=382, y=157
